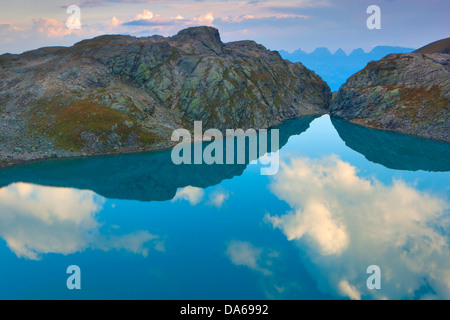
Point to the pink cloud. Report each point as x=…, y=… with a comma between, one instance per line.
x=206, y=19
x=51, y=27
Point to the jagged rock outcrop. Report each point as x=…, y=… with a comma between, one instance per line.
x=407, y=93
x=115, y=93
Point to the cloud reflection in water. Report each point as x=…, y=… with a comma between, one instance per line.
x=36, y=220
x=345, y=223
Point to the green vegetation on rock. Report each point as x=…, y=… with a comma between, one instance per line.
x=118, y=93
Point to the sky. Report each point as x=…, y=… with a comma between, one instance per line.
x=277, y=24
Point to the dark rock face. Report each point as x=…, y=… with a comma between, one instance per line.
x=408, y=93
x=114, y=94
x=208, y=37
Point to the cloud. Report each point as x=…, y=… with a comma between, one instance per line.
x=206, y=19
x=150, y=23
x=346, y=223
x=195, y=195
x=52, y=27
x=131, y=242
x=218, y=198
x=315, y=221
x=149, y=19
x=49, y=32
x=36, y=220
x=115, y=22
x=199, y=3
x=192, y=194
x=277, y=24
x=243, y=253
x=145, y=15
x=346, y=289
x=267, y=17
x=4, y=26
x=98, y=3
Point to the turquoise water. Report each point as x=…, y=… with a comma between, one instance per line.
x=140, y=227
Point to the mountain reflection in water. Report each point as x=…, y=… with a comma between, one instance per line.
x=141, y=176
x=394, y=150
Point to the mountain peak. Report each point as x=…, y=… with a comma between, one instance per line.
x=322, y=51
x=357, y=52
x=209, y=36
x=340, y=52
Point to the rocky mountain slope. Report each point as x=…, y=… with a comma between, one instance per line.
x=407, y=93
x=115, y=94
x=440, y=46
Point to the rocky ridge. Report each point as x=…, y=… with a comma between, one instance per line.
x=117, y=94
x=407, y=93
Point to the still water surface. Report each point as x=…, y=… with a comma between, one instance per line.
x=140, y=227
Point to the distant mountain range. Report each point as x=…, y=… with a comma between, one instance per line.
x=336, y=68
